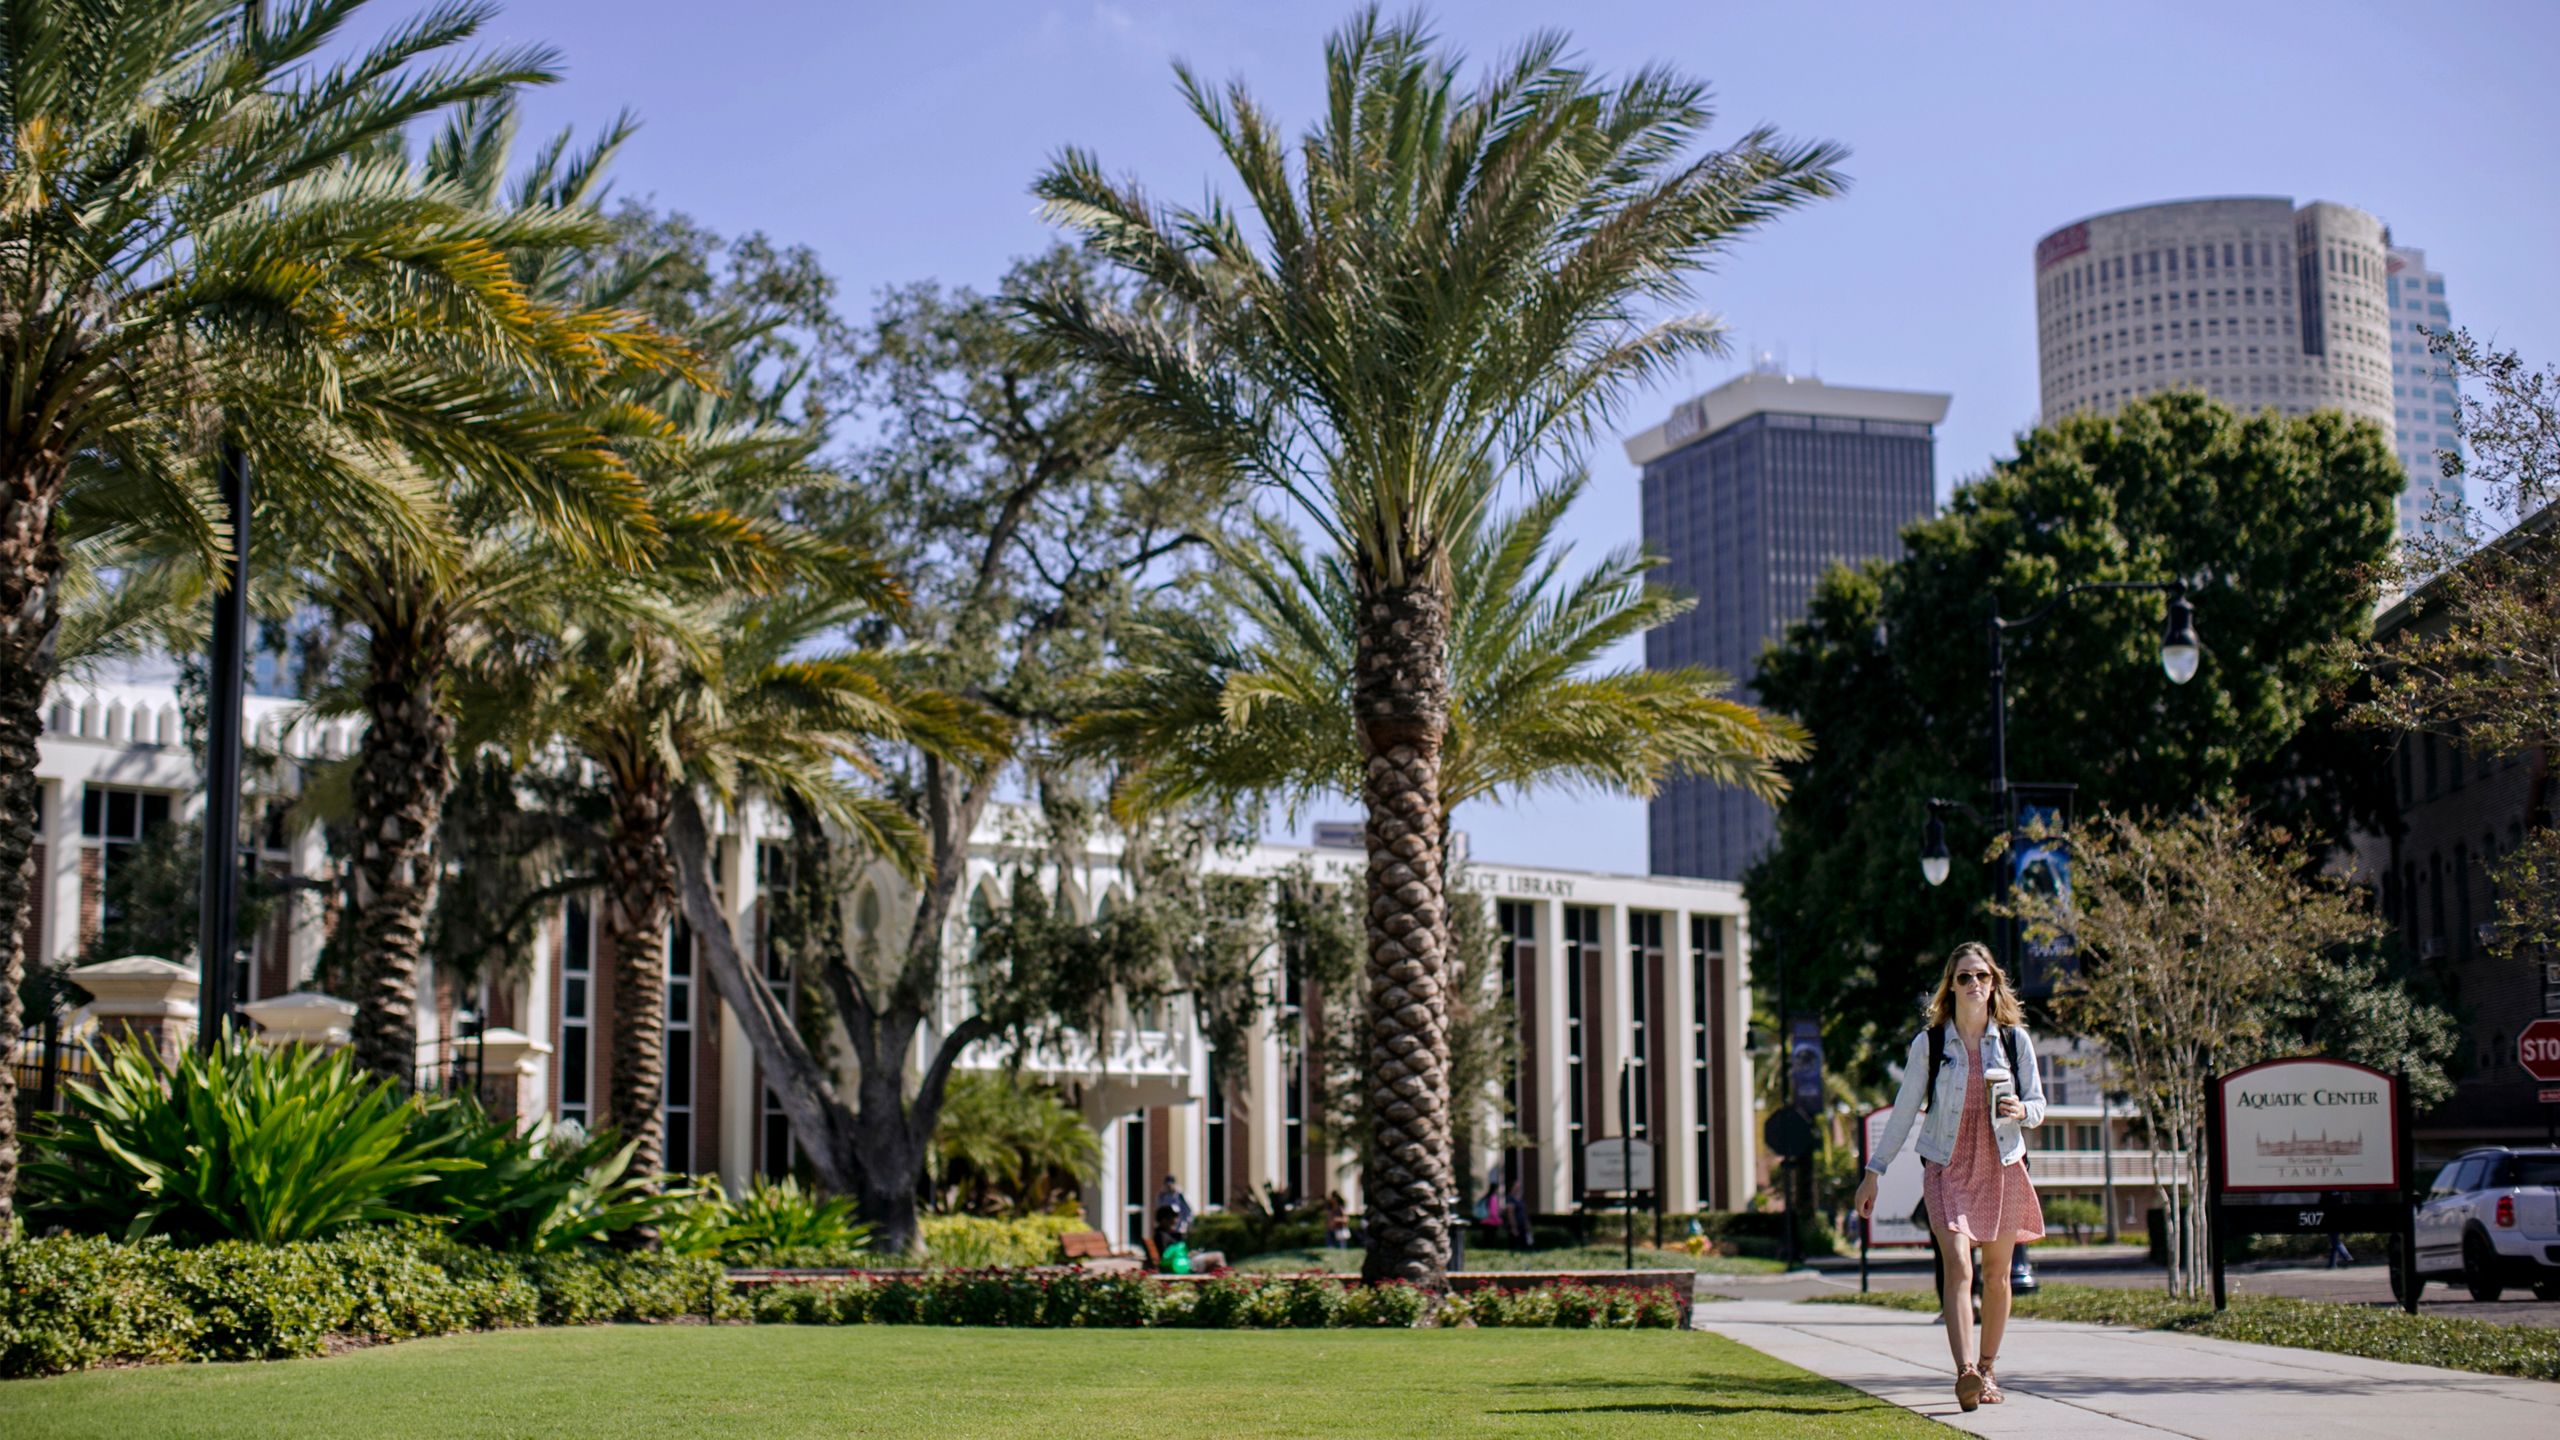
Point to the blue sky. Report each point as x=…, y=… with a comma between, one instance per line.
x=899, y=142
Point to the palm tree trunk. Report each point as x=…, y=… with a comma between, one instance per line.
x=1400, y=696
x=639, y=881
x=403, y=775
x=30, y=572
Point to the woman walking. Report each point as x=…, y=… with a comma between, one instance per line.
x=1976, y=1068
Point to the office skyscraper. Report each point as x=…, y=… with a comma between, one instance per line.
x=2250, y=300
x=1752, y=490
x=2422, y=390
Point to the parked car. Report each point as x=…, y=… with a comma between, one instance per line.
x=2490, y=1222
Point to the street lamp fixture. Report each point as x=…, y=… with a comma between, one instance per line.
x=2179, y=651
x=1933, y=850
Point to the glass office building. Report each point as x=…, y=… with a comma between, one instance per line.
x=2425, y=400
x=1752, y=491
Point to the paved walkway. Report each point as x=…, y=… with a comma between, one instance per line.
x=2067, y=1381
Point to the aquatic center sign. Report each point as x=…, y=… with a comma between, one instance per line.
x=2308, y=1124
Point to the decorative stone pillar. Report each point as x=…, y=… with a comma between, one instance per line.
x=506, y=1059
x=305, y=1017
x=142, y=996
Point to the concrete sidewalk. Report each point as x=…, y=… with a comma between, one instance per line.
x=2066, y=1380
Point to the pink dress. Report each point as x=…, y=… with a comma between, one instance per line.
x=1973, y=1194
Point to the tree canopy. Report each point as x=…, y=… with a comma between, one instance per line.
x=2278, y=525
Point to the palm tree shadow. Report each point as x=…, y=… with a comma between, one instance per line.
x=1792, y=1395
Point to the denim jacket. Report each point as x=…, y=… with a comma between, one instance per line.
x=1938, y=1124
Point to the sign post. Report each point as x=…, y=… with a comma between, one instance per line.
x=2538, y=1051
x=2325, y=1142
x=1897, y=1193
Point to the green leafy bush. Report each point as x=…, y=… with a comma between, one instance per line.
x=283, y=1144
x=1565, y=1306
x=68, y=1302
x=975, y=1242
x=1238, y=1235
x=775, y=1223
x=2531, y=1352
x=2076, y=1214
x=248, y=1143
x=527, y=1190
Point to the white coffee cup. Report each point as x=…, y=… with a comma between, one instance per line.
x=2001, y=1084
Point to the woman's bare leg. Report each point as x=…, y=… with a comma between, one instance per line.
x=1995, y=1294
x=1956, y=1254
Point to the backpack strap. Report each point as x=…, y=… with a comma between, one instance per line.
x=1937, y=1062
x=2009, y=1042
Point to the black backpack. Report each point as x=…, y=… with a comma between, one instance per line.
x=1938, y=1058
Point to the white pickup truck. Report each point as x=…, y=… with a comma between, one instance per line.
x=2492, y=1221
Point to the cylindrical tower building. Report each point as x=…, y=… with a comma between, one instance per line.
x=2249, y=299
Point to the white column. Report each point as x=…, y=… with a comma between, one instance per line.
x=740, y=1097
x=537, y=1011
x=1614, y=1034
x=308, y=929
x=1263, y=1107
x=62, y=847
x=1739, y=1142
x=1679, y=1127
x=1551, y=1189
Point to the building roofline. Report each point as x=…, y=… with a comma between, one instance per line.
x=1762, y=392
x=2286, y=201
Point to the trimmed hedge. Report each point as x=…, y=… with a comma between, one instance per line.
x=1063, y=1299
x=974, y=1242
x=2529, y=1352
x=74, y=1301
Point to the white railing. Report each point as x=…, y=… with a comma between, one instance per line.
x=1132, y=1053
x=2089, y=1167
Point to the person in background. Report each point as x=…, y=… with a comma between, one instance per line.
x=1489, y=1209
x=1516, y=1211
x=1172, y=1214
x=1337, y=1222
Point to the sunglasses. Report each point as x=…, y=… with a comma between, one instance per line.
x=1967, y=977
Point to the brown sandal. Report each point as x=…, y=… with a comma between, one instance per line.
x=1968, y=1388
x=1991, y=1394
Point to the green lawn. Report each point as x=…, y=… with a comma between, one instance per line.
x=772, y=1381
x=1572, y=1257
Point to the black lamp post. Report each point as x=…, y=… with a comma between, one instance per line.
x=218, y=917
x=2180, y=654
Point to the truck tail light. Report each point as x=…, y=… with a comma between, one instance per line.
x=2506, y=1212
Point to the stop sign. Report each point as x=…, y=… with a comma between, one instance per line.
x=2538, y=1050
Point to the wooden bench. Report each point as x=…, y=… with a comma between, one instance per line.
x=1092, y=1250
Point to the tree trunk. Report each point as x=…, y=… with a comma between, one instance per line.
x=639, y=880
x=30, y=575
x=403, y=775
x=1400, y=697
x=792, y=1070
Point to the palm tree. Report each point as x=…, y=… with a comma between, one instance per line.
x=727, y=696
x=1449, y=287
x=1204, y=707
x=513, y=540
x=201, y=229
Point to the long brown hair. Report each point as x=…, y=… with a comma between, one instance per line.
x=2005, y=1009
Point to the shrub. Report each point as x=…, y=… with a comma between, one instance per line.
x=249, y=1142
x=775, y=1223
x=2077, y=1214
x=528, y=1190
x=1239, y=1235
x=975, y=1242
x=72, y=1301
x=1391, y=1306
